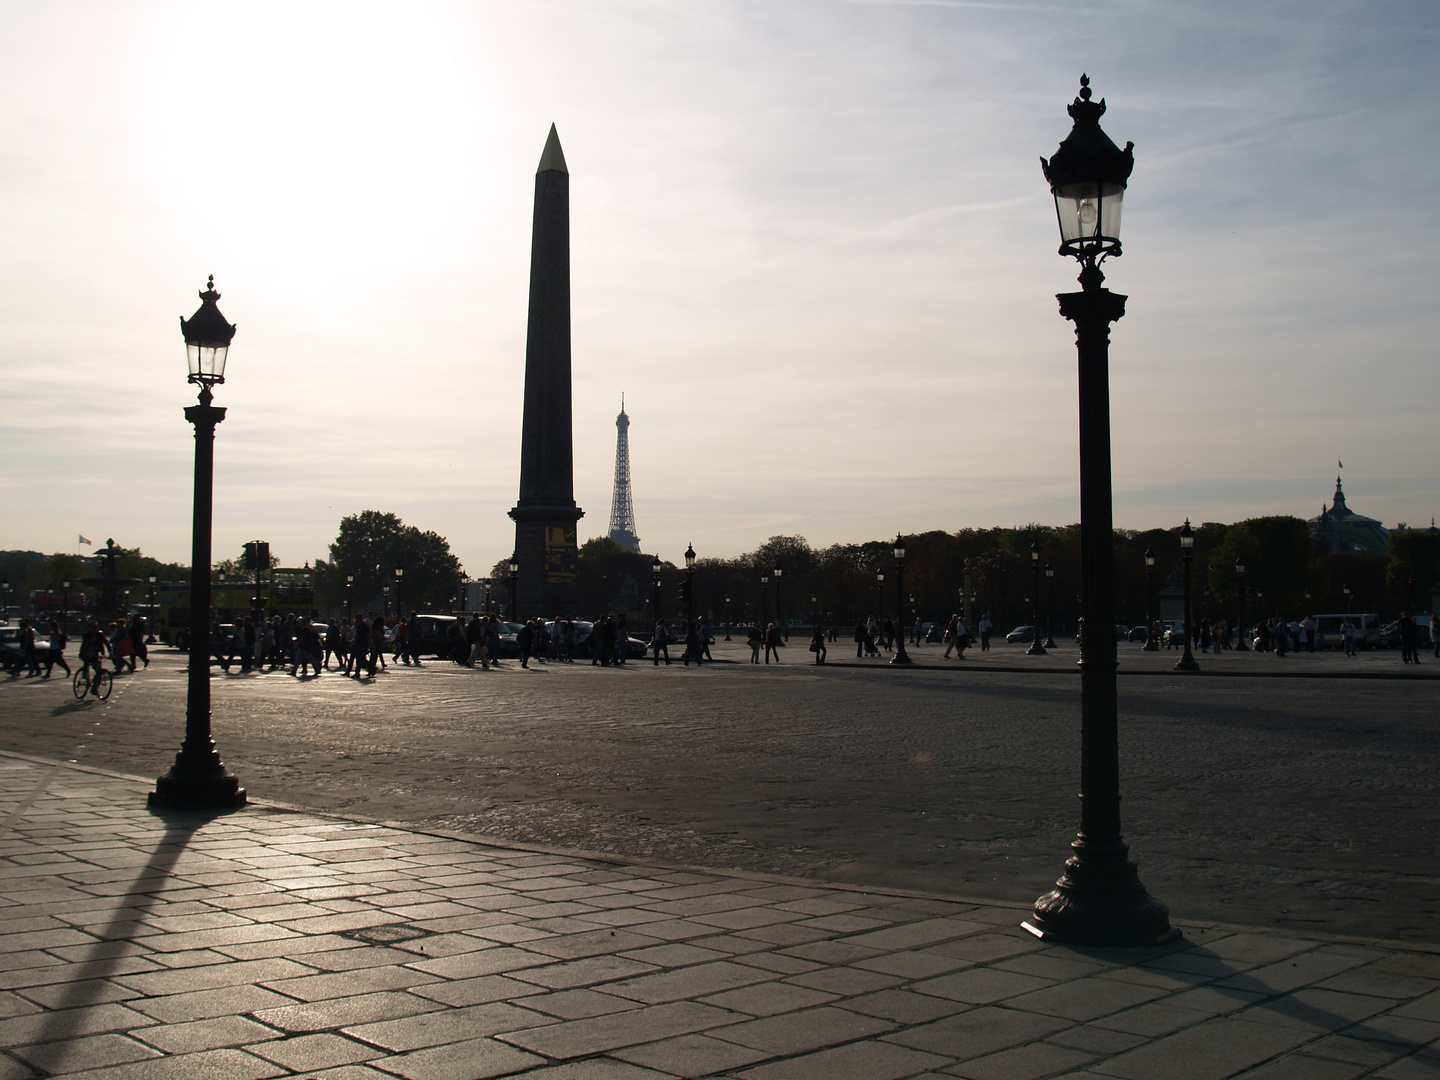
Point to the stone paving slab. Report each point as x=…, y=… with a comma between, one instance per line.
x=275, y=943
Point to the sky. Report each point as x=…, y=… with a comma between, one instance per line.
x=811, y=244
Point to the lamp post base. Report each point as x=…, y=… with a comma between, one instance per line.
x=1036, y=650
x=901, y=657
x=1187, y=663
x=197, y=781
x=1100, y=902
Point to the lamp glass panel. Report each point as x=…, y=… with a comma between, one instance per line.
x=1088, y=210
x=206, y=360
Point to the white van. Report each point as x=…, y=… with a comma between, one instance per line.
x=1368, y=631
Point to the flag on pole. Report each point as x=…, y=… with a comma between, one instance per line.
x=82, y=540
x=1340, y=463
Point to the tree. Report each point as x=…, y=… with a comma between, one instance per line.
x=1414, y=567
x=369, y=547
x=1278, y=552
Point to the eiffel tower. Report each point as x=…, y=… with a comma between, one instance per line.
x=622, y=513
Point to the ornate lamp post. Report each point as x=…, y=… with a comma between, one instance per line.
x=880, y=594
x=150, y=637
x=1099, y=900
x=399, y=578
x=727, y=617
x=1187, y=552
x=1240, y=645
x=385, y=605
x=64, y=603
x=967, y=596
x=764, y=583
x=656, y=568
x=689, y=586
x=199, y=780
x=1152, y=643
x=1036, y=647
x=778, y=573
x=1049, y=606
x=901, y=656
x=514, y=570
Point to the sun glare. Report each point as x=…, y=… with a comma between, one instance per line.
x=318, y=139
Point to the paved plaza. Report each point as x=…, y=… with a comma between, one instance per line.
x=278, y=943
x=735, y=871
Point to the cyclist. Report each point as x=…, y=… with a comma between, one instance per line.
x=94, y=648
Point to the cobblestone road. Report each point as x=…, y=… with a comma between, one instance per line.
x=1288, y=801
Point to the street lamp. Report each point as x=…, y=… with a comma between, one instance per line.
x=514, y=600
x=150, y=639
x=1240, y=645
x=399, y=579
x=199, y=780
x=385, y=593
x=901, y=656
x=1099, y=900
x=64, y=603
x=727, y=617
x=1049, y=606
x=784, y=627
x=1152, y=643
x=349, y=585
x=879, y=595
x=689, y=586
x=966, y=597
x=1037, y=648
x=764, y=583
x=1187, y=552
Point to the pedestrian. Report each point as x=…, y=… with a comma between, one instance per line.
x=817, y=644
x=397, y=647
x=492, y=640
x=660, y=642
x=56, y=653
x=950, y=629
x=525, y=639
x=333, y=638
x=1347, y=635
x=475, y=638
x=360, y=650
x=622, y=640
x=692, y=645
x=28, y=655
x=307, y=648
x=138, y=649
x=706, y=637
x=378, y=638
x=755, y=640
x=861, y=631
x=1409, y=639
x=986, y=628
x=772, y=643
x=412, y=639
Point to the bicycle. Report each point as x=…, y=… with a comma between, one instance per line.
x=99, y=683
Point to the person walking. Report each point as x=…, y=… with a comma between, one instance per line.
x=861, y=631
x=817, y=644
x=661, y=642
x=692, y=645
x=986, y=628
x=772, y=643
x=705, y=639
x=525, y=638
x=412, y=640
x=1409, y=639
x=56, y=653
x=755, y=640
x=360, y=648
x=1347, y=635
x=28, y=655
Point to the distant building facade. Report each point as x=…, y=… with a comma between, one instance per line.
x=1342, y=531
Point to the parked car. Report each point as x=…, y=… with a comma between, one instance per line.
x=634, y=647
x=1138, y=633
x=1368, y=631
x=1021, y=634
x=434, y=631
x=1390, y=636
x=10, y=648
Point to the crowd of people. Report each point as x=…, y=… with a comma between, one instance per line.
x=122, y=641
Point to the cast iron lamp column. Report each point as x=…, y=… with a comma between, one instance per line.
x=1187, y=552
x=1099, y=900
x=399, y=577
x=777, y=574
x=514, y=600
x=385, y=604
x=1240, y=645
x=965, y=598
x=349, y=585
x=64, y=604
x=901, y=656
x=199, y=780
x=880, y=595
x=1036, y=648
x=727, y=618
x=1049, y=606
x=764, y=585
x=1151, y=642
x=689, y=586
x=150, y=637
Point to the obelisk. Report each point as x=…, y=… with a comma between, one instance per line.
x=545, y=515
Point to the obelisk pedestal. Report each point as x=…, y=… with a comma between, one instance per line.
x=546, y=550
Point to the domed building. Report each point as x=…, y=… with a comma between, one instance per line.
x=1343, y=531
